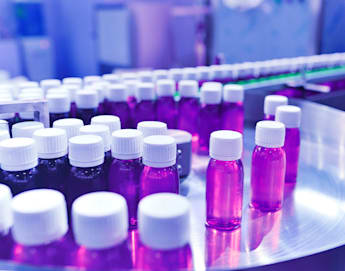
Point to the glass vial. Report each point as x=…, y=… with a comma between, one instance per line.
x=160, y=171
x=118, y=105
x=145, y=109
x=6, y=221
x=166, y=105
x=271, y=103
x=59, y=106
x=290, y=116
x=224, y=181
x=268, y=166
x=125, y=171
x=232, y=108
x=87, y=104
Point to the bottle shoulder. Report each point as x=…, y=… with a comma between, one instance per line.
x=268, y=153
x=230, y=166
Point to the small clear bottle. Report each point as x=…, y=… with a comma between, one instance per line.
x=86, y=157
x=6, y=221
x=113, y=122
x=40, y=230
x=87, y=104
x=224, y=181
x=71, y=126
x=59, y=106
x=145, y=109
x=166, y=110
x=163, y=226
x=232, y=108
x=188, y=106
x=271, y=103
x=100, y=227
x=290, y=116
x=125, y=171
x=53, y=166
x=268, y=166
x=104, y=132
x=118, y=105
x=26, y=129
x=160, y=172
x=149, y=128
x=18, y=159
x=209, y=114
x=49, y=84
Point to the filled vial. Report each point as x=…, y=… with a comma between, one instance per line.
x=166, y=109
x=209, y=114
x=268, y=166
x=160, y=172
x=6, y=221
x=118, y=105
x=149, y=128
x=59, y=106
x=290, y=116
x=87, y=105
x=232, y=108
x=40, y=230
x=164, y=232
x=73, y=85
x=71, y=126
x=86, y=157
x=26, y=129
x=18, y=161
x=131, y=88
x=145, y=109
x=188, y=106
x=125, y=171
x=224, y=181
x=100, y=226
x=271, y=103
x=49, y=84
x=102, y=89
x=113, y=122
x=53, y=166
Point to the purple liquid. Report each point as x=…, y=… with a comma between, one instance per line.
x=232, y=116
x=269, y=117
x=86, y=114
x=267, y=178
x=73, y=112
x=224, y=193
x=20, y=181
x=132, y=101
x=53, y=254
x=166, y=111
x=101, y=108
x=175, y=259
x=124, y=179
x=157, y=180
x=53, y=173
x=57, y=116
x=122, y=110
x=209, y=121
x=108, y=160
x=188, y=111
x=6, y=244
x=115, y=258
x=291, y=148
x=144, y=111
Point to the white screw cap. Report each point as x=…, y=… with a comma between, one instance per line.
x=190, y=74
x=176, y=74
x=111, y=78
x=188, y=88
x=100, y=130
x=76, y=81
x=6, y=219
x=166, y=87
x=86, y=151
x=270, y=134
x=159, y=151
x=58, y=103
x=100, y=220
x=39, y=217
x=49, y=83
x=18, y=154
x=90, y=79
x=226, y=145
x=51, y=143
x=87, y=99
x=164, y=221
x=272, y=102
x=131, y=87
x=4, y=134
x=146, y=76
x=160, y=75
x=233, y=93
x=127, y=144
x=71, y=90
x=145, y=91
x=289, y=115
x=102, y=89
x=113, y=122
x=26, y=128
x=31, y=91
x=70, y=125
x=203, y=73
x=216, y=71
x=149, y=128
x=117, y=93
x=28, y=84
x=211, y=93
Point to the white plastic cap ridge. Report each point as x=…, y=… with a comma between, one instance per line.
x=159, y=151
x=149, y=128
x=233, y=93
x=99, y=130
x=51, y=143
x=272, y=102
x=127, y=144
x=226, y=145
x=70, y=125
x=113, y=122
x=289, y=115
x=270, y=134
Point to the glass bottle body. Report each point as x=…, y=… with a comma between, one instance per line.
x=188, y=112
x=166, y=111
x=232, y=116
